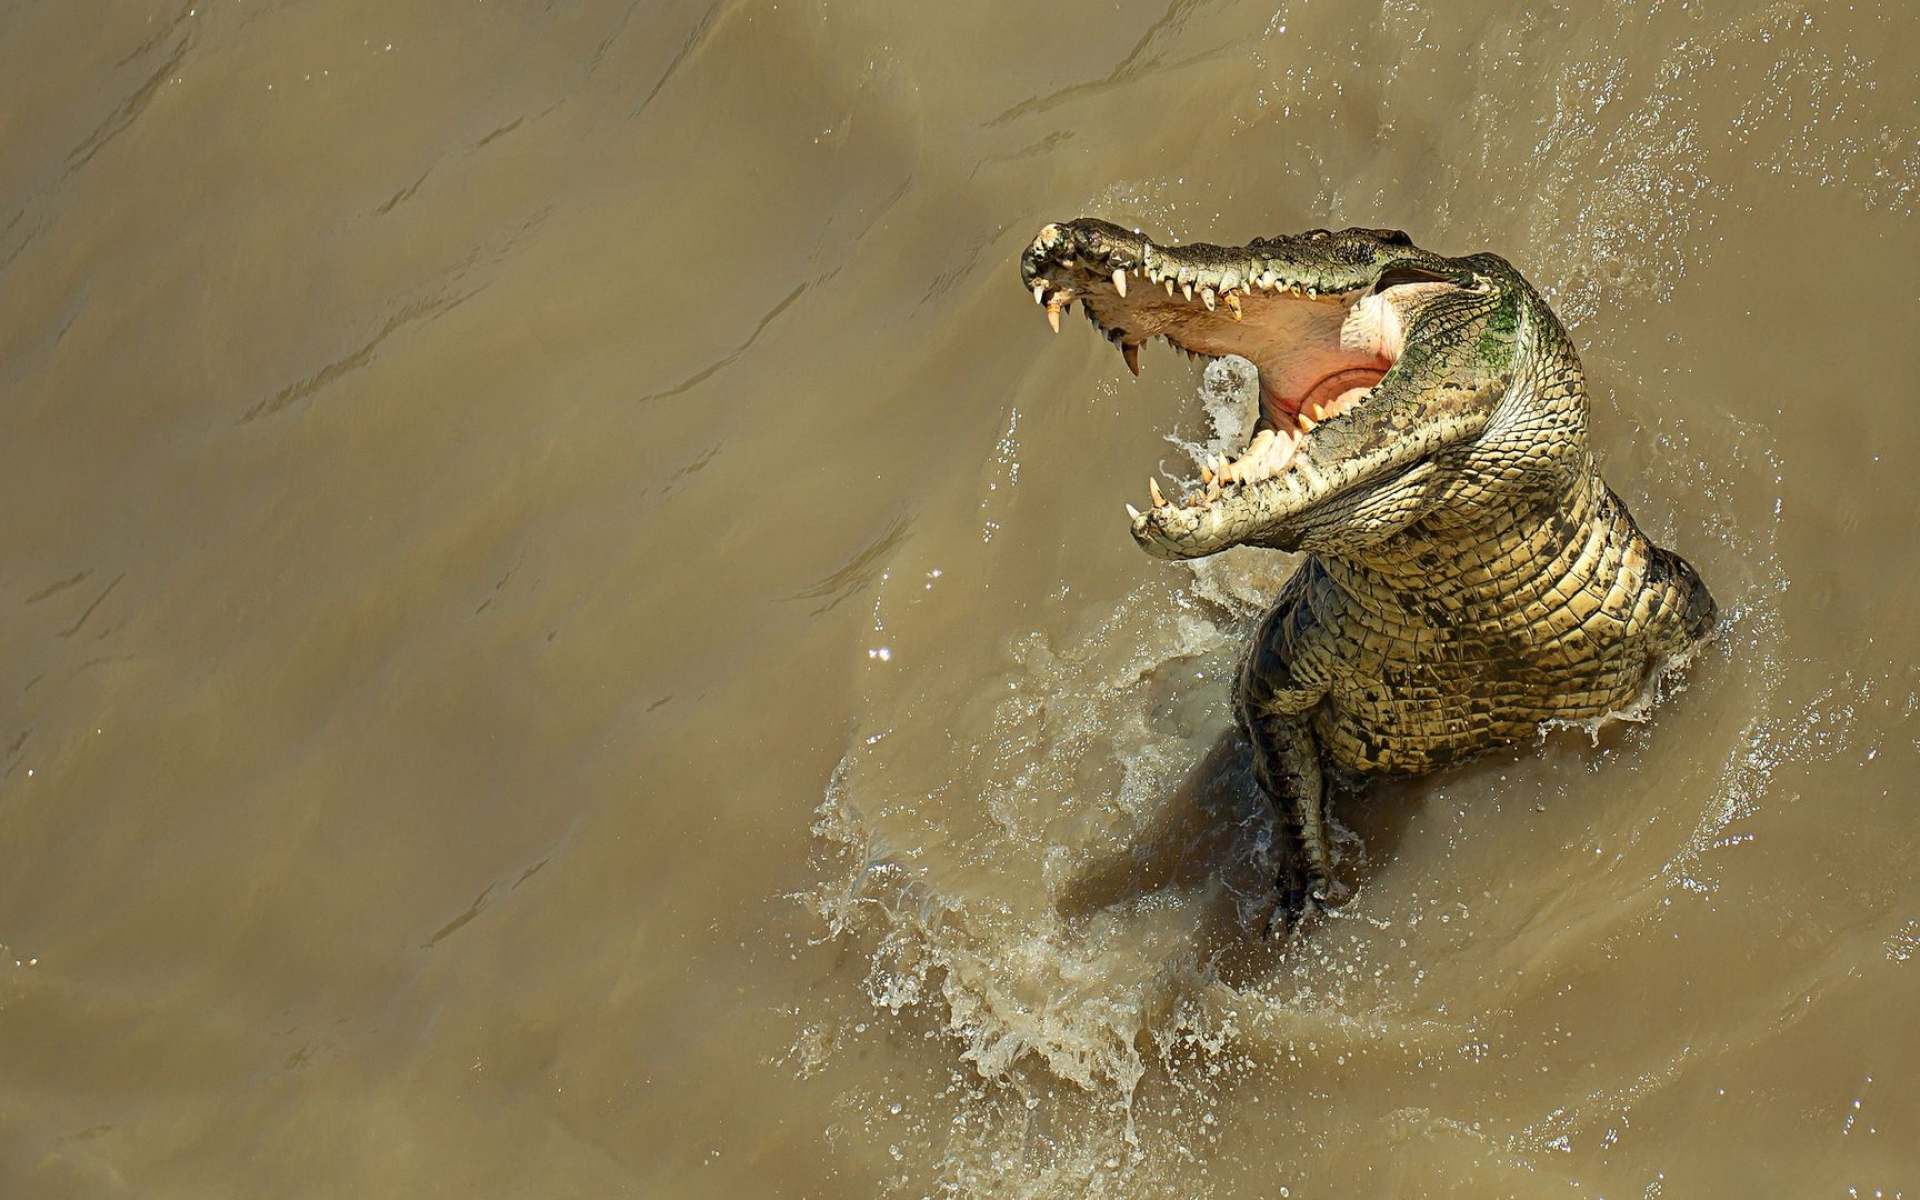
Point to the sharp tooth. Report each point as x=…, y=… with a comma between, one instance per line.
x=1187, y=288
x=1193, y=498
x=1206, y=471
x=1053, y=317
x=1120, y=283
x=1040, y=292
x=1233, y=302
x=1207, y=297
x=1213, y=490
x=1132, y=355
x=1153, y=490
x=1133, y=514
x=1169, y=282
x=1286, y=459
x=1306, y=422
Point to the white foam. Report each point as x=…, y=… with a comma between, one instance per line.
x=1230, y=393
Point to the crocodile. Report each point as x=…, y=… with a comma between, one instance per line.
x=1468, y=578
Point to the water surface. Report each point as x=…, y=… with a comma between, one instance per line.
x=566, y=630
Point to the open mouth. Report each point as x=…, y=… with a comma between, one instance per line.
x=1320, y=344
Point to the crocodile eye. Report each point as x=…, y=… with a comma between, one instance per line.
x=1392, y=237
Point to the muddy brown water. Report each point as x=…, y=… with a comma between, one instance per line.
x=566, y=630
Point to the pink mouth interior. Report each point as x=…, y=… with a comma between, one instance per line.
x=1330, y=394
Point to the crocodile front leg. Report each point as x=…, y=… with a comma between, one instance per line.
x=1286, y=761
x=1273, y=707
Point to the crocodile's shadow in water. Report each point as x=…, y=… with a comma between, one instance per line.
x=1214, y=829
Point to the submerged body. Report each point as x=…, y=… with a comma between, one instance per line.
x=1423, y=437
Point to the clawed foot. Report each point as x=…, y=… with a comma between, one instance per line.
x=1295, y=900
x=1298, y=898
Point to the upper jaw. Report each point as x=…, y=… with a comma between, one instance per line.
x=1324, y=261
x=1097, y=262
x=1288, y=304
x=1322, y=315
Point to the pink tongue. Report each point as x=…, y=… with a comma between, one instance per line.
x=1341, y=387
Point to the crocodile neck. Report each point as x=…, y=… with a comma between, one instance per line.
x=1532, y=568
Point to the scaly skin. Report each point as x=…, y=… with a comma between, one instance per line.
x=1470, y=576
